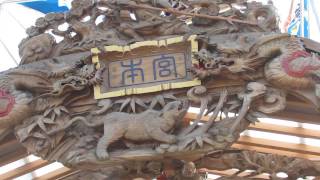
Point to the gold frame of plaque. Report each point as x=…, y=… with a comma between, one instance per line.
x=174, y=45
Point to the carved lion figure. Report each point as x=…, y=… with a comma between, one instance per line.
x=148, y=125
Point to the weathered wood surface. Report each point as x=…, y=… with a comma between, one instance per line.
x=248, y=69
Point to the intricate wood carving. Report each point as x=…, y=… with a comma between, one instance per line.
x=246, y=68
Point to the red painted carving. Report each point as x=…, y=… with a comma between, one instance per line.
x=305, y=68
x=6, y=103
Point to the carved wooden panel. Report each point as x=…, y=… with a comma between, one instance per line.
x=144, y=67
x=246, y=68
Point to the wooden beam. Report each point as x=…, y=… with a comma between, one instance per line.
x=294, y=131
x=67, y=175
x=266, y=127
x=220, y=173
x=59, y=173
x=298, y=111
x=275, y=151
x=11, y=151
x=15, y=155
x=231, y=172
x=192, y=116
x=29, y=167
x=297, y=116
x=279, y=145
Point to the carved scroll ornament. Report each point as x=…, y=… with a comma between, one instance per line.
x=244, y=69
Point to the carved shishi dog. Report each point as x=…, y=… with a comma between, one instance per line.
x=148, y=125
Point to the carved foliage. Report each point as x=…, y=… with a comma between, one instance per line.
x=90, y=24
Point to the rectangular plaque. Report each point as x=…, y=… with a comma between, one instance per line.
x=145, y=67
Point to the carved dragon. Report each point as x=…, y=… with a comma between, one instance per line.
x=48, y=100
x=285, y=62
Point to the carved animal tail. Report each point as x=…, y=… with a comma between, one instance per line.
x=73, y=120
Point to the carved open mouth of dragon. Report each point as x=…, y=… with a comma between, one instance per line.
x=216, y=63
x=206, y=61
x=213, y=66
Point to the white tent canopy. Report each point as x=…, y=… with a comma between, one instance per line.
x=14, y=19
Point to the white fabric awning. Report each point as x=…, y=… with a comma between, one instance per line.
x=14, y=19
